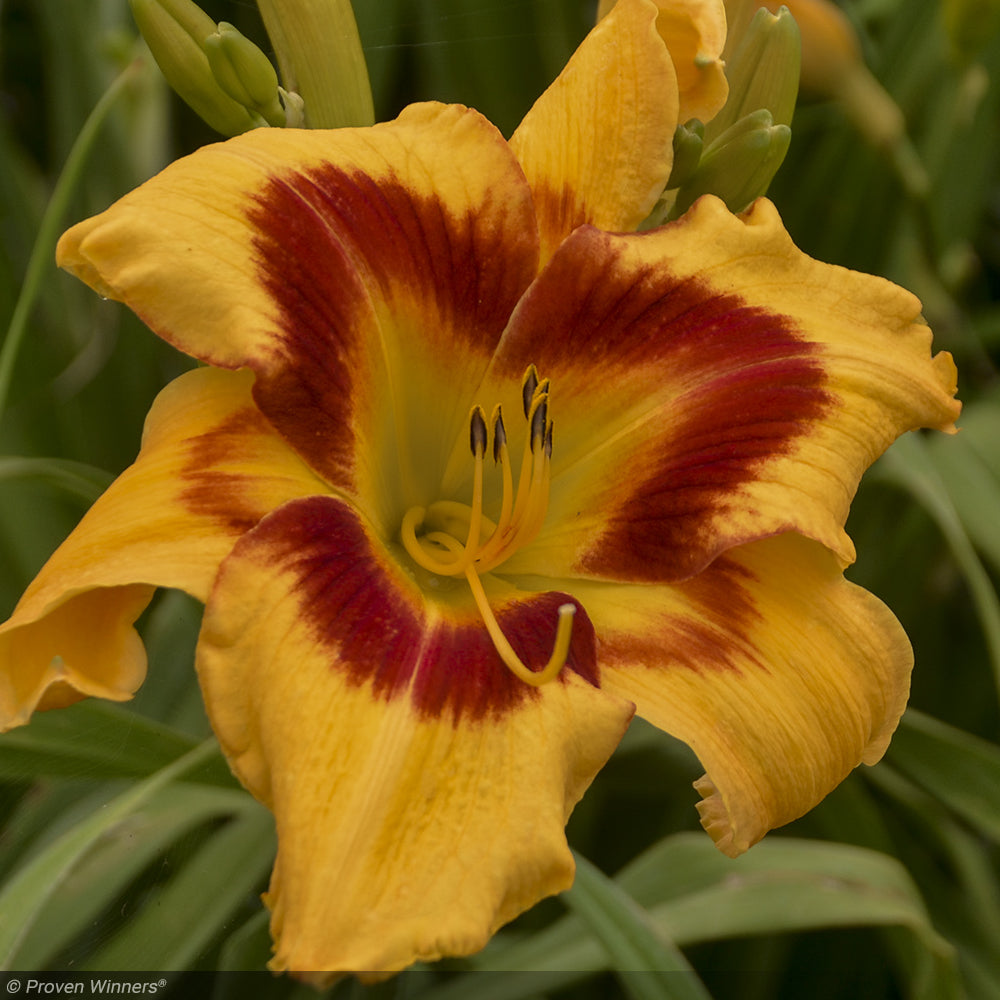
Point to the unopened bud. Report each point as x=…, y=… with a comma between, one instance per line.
x=739, y=165
x=244, y=72
x=689, y=141
x=175, y=31
x=833, y=66
x=763, y=70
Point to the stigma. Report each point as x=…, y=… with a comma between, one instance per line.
x=431, y=534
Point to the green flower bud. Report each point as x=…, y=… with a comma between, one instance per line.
x=739, y=165
x=244, y=72
x=175, y=31
x=762, y=69
x=320, y=57
x=689, y=141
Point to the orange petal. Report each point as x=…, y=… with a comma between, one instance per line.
x=209, y=468
x=597, y=146
x=695, y=33
x=356, y=271
x=420, y=791
x=778, y=673
x=710, y=385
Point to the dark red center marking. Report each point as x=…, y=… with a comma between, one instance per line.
x=330, y=243
x=379, y=628
x=746, y=385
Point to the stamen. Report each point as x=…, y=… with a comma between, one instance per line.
x=499, y=432
x=528, y=386
x=518, y=525
x=477, y=432
x=502, y=456
x=522, y=512
x=415, y=515
x=539, y=422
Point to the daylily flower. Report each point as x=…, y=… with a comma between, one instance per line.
x=474, y=473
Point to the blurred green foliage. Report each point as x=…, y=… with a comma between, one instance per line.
x=890, y=888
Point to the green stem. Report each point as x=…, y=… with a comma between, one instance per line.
x=48, y=230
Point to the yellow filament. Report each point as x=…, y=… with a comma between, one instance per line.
x=527, y=466
x=519, y=525
x=465, y=555
x=507, y=497
x=535, y=503
x=521, y=515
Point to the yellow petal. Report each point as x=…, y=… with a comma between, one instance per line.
x=779, y=674
x=711, y=384
x=695, y=33
x=355, y=271
x=597, y=146
x=210, y=467
x=414, y=816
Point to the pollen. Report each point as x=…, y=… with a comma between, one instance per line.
x=431, y=534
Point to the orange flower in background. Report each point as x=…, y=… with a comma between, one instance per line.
x=474, y=474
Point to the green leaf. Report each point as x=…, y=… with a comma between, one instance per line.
x=26, y=893
x=972, y=485
x=910, y=464
x=960, y=770
x=99, y=740
x=693, y=894
x=114, y=861
x=180, y=919
x=55, y=211
x=955, y=868
x=631, y=941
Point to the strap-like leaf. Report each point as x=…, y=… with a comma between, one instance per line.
x=26, y=893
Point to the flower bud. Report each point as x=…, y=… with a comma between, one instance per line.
x=244, y=72
x=689, y=141
x=175, y=31
x=739, y=165
x=833, y=67
x=762, y=64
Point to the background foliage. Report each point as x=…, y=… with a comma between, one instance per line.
x=124, y=843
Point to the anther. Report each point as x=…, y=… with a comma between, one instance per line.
x=539, y=422
x=499, y=434
x=528, y=387
x=477, y=432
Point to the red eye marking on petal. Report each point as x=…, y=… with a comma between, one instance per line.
x=731, y=386
x=379, y=629
x=211, y=491
x=341, y=254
